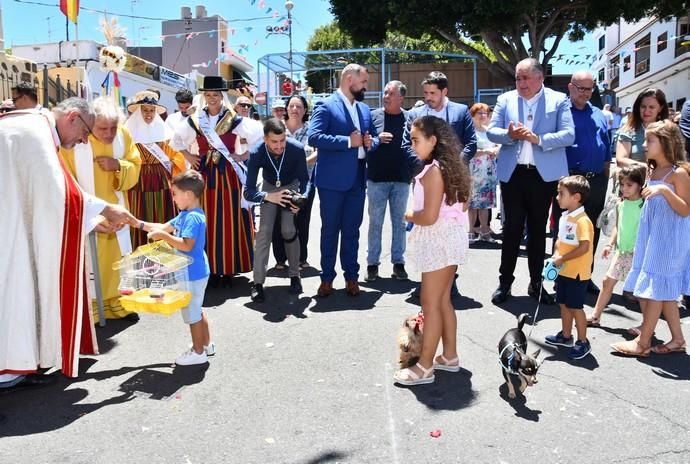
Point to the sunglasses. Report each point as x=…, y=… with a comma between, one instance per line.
x=245, y=105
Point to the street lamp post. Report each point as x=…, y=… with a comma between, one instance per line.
x=286, y=30
x=289, y=5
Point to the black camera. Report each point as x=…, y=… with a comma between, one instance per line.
x=296, y=199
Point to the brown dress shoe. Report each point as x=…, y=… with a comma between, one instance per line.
x=325, y=289
x=352, y=288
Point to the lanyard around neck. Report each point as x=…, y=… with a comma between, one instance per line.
x=280, y=166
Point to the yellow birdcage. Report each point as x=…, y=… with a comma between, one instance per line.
x=154, y=279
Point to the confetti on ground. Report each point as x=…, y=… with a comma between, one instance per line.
x=269, y=440
x=269, y=345
x=436, y=433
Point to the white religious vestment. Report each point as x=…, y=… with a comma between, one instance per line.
x=44, y=321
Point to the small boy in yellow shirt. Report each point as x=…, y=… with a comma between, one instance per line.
x=574, y=252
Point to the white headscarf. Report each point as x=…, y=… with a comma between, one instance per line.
x=142, y=132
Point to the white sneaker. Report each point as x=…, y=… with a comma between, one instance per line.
x=209, y=349
x=190, y=358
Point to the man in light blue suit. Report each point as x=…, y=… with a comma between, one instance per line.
x=533, y=124
x=341, y=130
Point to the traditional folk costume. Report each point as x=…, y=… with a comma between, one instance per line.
x=230, y=229
x=109, y=186
x=44, y=317
x=151, y=198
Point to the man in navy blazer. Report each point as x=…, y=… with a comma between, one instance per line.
x=436, y=103
x=534, y=125
x=435, y=88
x=341, y=130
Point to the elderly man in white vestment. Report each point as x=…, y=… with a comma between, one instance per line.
x=44, y=318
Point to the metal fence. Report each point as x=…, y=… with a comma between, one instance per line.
x=50, y=91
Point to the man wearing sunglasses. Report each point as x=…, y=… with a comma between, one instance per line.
x=46, y=323
x=243, y=106
x=24, y=96
x=590, y=154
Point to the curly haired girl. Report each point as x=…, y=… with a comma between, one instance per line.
x=440, y=240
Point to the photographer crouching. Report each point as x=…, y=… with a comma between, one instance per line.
x=285, y=181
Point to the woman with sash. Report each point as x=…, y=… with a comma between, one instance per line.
x=216, y=128
x=151, y=198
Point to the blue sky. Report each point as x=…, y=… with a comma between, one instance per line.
x=27, y=23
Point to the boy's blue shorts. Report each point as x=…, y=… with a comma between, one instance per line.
x=571, y=292
x=192, y=313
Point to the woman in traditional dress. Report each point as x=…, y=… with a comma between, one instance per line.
x=151, y=198
x=216, y=128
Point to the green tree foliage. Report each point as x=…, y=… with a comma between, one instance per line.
x=331, y=37
x=501, y=25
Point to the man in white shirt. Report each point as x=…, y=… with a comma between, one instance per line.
x=533, y=125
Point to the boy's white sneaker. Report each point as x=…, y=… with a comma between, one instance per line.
x=191, y=357
x=209, y=349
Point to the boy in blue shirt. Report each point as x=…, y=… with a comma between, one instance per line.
x=187, y=234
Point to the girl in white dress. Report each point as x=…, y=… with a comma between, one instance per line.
x=440, y=242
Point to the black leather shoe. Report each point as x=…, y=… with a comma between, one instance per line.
x=372, y=273
x=399, y=272
x=257, y=293
x=501, y=294
x=131, y=317
x=31, y=381
x=546, y=298
x=295, y=285
x=592, y=288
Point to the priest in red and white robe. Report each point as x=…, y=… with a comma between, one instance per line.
x=44, y=316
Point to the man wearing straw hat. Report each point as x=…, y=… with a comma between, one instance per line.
x=216, y=127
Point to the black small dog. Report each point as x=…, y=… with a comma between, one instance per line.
x=512, y=353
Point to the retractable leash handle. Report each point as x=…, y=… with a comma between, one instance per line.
x=549, y=273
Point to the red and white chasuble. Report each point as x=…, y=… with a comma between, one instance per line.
x=44, y=316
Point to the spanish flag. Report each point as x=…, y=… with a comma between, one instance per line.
x=70, y=8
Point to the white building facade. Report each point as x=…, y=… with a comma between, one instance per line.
x=648, y=54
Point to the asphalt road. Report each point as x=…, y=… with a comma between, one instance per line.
x=306, y=380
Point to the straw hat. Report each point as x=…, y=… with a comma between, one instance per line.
x=145, y=97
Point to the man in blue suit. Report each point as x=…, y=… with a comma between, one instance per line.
x=533, y=124
x=341, y=130
x=436, y=101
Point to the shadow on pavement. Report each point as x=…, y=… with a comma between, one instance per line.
x=340, y=301
x=589, y=362
x=674, y=366
x=56, y=406
x=519, y=403
x=326, y=456
x=517, y=305
x=459, y=303
x=216, y=296
x=105, y=335
x=451, y=391
x=280, y=304
x=390, y=286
